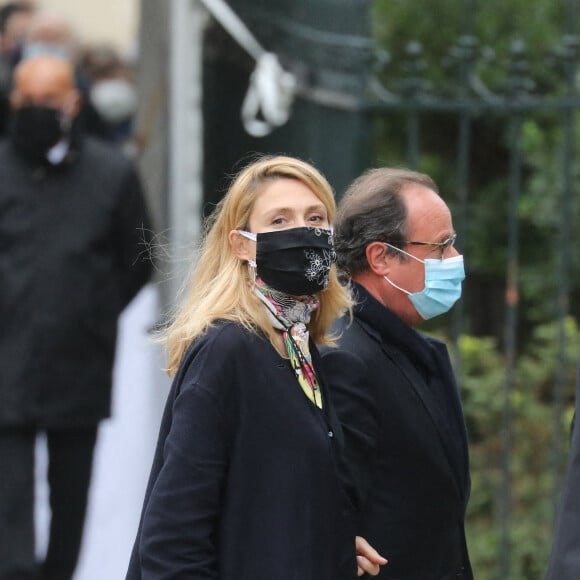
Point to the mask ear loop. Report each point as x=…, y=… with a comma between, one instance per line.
x=248, y=235
x=410, y=256
x=252, y=269
x=65, y=124
x=397, y=287
x=66, y=118
x=251, y=264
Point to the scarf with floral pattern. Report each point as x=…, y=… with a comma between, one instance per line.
x=291, y=315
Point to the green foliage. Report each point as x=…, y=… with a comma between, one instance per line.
x=483, y=387
x=544, y=209
x=495, y=23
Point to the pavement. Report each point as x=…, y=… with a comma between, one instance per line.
x=124, y=449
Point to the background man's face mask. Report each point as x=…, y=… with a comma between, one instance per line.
x=442, y=285
x=114, y=99
x=296, y=261
x=35, y=129
x=35, y=49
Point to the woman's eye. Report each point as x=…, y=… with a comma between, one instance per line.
x=317, y=218
x=278, y=221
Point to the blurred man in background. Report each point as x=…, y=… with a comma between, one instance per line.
x=73, y=229
x=27, y=33
x=15, y=20
x=111, y=91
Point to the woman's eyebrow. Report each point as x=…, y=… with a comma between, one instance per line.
x=286, y=210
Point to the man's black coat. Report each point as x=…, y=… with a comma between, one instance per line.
x=70, y=242
x=396, y=396
x=565, y=557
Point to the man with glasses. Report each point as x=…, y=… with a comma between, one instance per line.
x=394, y=389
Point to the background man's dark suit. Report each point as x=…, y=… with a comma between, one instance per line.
x=73, y=234
x=565, y=558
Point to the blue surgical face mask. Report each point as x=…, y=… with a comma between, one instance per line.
x=35, y=49
x=442, y=285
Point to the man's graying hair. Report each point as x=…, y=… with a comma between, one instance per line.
x=373, y=210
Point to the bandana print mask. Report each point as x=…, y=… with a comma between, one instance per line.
x=295, y=261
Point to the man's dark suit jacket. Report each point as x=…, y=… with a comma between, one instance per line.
x=565, y=558
x=73, y=241
x=397, y=399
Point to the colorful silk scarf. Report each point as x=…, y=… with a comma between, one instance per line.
x=291, y=315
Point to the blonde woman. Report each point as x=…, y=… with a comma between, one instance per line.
x=245, y=481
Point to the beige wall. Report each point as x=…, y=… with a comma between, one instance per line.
x=115, y=21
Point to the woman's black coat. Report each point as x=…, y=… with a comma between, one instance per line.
x=245, y=480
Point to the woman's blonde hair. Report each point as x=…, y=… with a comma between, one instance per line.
x=221, y=285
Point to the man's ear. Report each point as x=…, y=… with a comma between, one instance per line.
x=242, y=247
x=15, y=99
x=73, y=104
x=378, y=259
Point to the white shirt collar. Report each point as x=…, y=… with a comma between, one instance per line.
x=57, y=153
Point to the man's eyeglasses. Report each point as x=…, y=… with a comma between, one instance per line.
x=443, y=246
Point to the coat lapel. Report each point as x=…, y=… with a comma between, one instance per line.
x=432, y=406
x=454, y=400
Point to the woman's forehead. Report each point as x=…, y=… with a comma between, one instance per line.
x=288, y=194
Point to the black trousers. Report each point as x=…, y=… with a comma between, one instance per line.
x=70, y=460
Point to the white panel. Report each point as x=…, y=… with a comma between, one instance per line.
x=112, y=21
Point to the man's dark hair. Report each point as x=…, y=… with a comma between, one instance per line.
x=373, y=210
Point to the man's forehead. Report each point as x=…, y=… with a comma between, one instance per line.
x=44, y=73
x=427, y=213
x=43, y=84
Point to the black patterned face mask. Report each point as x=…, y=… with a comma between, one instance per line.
x=296, y=261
